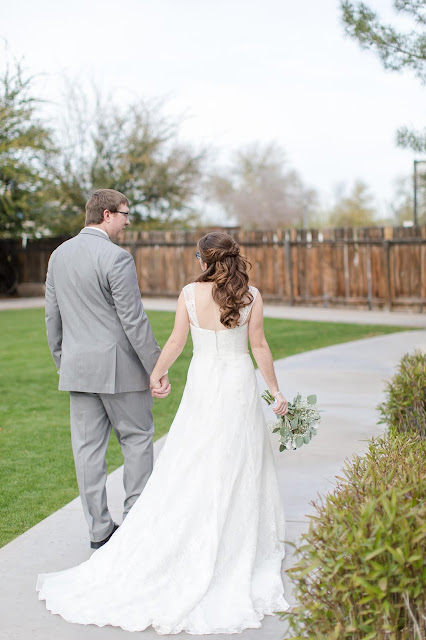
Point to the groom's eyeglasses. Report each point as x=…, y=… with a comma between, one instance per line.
x=125, y=213
x=198, y=255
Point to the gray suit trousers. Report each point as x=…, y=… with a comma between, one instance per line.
x=92, y=417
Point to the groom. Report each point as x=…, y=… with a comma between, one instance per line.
x=103, y=346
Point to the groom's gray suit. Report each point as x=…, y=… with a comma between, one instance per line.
x=103, y=346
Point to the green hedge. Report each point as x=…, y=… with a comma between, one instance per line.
x=404, y=410
x=361, y=570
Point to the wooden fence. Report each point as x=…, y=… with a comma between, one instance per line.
x=369, y=267
x=373, y=267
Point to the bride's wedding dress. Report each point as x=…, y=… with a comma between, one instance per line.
x=201, y=549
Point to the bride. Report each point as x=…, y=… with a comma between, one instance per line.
x=201, y=549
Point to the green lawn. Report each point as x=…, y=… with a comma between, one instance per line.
x=36, y=466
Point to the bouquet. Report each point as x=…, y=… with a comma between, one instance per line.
x=299, y=425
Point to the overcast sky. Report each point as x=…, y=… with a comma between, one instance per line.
x=241, y=71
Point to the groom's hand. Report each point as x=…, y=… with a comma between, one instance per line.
x=163, y=390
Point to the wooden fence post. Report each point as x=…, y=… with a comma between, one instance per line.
x=388, y=291
x=422, y=275
x=346, y=265
x=287, y=251
x=369, y=280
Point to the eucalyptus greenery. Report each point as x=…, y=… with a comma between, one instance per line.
x=299, y=425
x=361, y=571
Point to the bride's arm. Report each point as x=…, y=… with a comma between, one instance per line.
x=263, y=356
x=174, y=345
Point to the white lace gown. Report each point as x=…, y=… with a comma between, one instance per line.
x=201, y=549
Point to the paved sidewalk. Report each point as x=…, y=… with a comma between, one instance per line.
x=319, y=314
x=349, y=381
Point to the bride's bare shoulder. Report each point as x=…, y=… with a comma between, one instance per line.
x=204, y=287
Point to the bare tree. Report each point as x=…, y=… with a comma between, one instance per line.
x=259, y=190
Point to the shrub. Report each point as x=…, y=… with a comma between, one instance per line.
x=361, y=572
x=404, y=409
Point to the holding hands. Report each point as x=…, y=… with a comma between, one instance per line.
x=160, y=388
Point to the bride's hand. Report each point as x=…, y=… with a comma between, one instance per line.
x=281, y=405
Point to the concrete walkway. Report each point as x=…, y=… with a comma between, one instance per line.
x=349, y=381
x=319, y=314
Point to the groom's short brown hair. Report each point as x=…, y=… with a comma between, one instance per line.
x=103, y=199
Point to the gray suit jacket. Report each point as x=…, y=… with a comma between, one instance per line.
x=97, y=330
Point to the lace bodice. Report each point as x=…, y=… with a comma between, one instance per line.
x=225, y=342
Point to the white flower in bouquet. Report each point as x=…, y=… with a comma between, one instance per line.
x=299, y=425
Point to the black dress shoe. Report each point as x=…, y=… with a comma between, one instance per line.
x=97, y=545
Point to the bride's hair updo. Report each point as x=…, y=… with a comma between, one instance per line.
x=227, y=269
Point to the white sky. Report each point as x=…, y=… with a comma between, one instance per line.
x=241, y=71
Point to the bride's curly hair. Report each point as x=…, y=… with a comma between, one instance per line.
x=227, y=269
